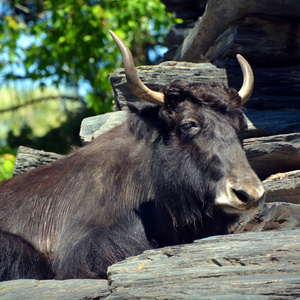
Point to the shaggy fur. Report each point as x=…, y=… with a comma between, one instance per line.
x=147, y=183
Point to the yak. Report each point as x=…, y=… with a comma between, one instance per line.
x=173, y=172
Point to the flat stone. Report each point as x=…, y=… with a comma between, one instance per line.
x=218, y=16
x=283, y=187
x=53, y=289
x=273, y=216
x=273, y=108
x=94, y=126
x=27, y=159
x=273, y=154
x=264, y=40
x=254, y=265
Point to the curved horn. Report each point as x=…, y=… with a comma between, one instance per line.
x=135, y=84
x=247, y=87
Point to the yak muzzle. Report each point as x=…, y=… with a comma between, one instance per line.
x=239, y=195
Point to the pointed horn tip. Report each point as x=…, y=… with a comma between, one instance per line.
x=240, y=57
x=113, y=35
x=138, y=88
x=248, y=82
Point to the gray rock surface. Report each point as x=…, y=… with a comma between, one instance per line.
x=157, y=76
x=27, y=159
x=273, y=154
x=273, y=216
x=94, y=126
x=265, y=40
x=257, y=265
x=253, y=265
x=53, y=289
x=273, y=108
x=283, y=187
x=218, y=16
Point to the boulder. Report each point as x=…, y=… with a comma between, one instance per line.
x=273, y=108
x=27, y=159
x=220, y=14
x=254, y=265
x=283, y=187
x=94, y=126
x=273, y=216
x=265, y=40
x=75, y=289
x=157, y=76
x=273, y=154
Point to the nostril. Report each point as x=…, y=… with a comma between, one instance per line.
x=242, y=195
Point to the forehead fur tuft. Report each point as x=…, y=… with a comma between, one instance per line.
x=210, y=94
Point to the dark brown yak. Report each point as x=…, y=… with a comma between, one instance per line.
x=173, y=172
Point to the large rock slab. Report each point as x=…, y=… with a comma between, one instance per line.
x=273, y=216
x=94, y=126
x=264, y=40
x=273, y=108
x=53, y=289
x=273, y=154
x=257, y=265
x=218, y=16
x=254, y=265
x=157, y=76
x=283, y=187
x=28, y=159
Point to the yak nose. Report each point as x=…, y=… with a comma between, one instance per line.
x=242, y=195
x=251, y=196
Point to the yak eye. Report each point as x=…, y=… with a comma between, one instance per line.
x=189, y=126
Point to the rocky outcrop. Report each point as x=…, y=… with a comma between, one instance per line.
x=94, y=126
x=273, y=108
x=253, y=265
x=76, y=289
x=28, y=159
x=247, y=27
x=283, y=187
x=258, y=265
x=273, y=154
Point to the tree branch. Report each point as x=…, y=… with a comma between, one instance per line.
x=72, y=98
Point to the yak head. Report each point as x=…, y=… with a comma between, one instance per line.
x=198, y=144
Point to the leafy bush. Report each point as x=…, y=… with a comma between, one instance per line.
x=7, y=161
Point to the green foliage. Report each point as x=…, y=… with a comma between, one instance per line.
x=70, y=41
x=66, y=43
x=7, y=160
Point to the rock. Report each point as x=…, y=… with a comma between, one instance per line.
x=265, y=40
x=273, y=108
x=27, y=159
x=283, y=187
x=273, y=216
x=218, y=16
x=272, y=121
x=273, y=154
x=94, y=126
x=53, y=289
x=254, y=265
x=156, y=77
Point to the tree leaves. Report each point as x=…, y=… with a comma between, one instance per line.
x=72, y=41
